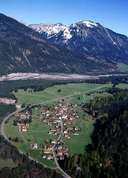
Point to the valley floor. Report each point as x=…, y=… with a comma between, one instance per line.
x=74, y=94
x=54, y=76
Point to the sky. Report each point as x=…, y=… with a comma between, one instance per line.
x=112, y=14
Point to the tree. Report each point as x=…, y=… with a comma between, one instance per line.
x=59, y=90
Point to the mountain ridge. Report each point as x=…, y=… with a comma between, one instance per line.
x=88, y=38
x=23, y=49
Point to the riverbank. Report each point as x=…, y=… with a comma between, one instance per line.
x=55, y=76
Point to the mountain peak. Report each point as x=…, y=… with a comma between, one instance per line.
x=88, y=23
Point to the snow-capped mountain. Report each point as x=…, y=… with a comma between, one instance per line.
x=87, y=39
x=85, y=47
x=23, y=50
x=51, y=30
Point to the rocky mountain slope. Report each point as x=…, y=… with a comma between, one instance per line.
x=87, y=39
x=58, y=48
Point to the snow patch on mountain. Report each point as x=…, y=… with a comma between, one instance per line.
x=89, y=24
x=52, y=29
x=67, y=34
x=87, y=38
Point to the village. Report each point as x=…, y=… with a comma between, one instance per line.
x=61, y=119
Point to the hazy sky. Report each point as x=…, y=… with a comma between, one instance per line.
x=111, y=13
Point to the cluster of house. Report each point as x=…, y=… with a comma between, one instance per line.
x=61, y=120
x=23, y=120
x=61, y=114
x=59, y=148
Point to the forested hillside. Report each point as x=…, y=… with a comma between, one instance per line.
x=107, y=155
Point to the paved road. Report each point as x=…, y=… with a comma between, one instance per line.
x=65, y=175
x=3, y=123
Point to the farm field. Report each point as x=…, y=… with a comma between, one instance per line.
x=38, y=130
x=54, y=93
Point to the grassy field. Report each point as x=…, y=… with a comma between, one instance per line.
x=55, y=92
x=123, y=67
x=38, y=131
x=123, y=86
x=77, y=143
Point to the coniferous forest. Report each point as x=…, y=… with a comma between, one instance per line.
x=107, y=155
